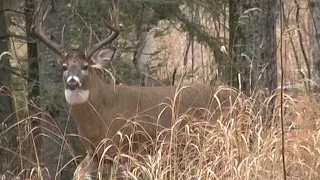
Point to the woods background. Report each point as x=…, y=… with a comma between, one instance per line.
x=162, y=42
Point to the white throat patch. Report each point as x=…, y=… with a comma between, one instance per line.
x=77, y=96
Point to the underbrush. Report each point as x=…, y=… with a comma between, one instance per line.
x=245, y=143
x=241, y=144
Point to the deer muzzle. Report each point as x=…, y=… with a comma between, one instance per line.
x=73, y=83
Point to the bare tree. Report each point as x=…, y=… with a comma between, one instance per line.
x=253, y=44
x=5, y=101
x=6, y=104
x=315, y=43
x=145, y=43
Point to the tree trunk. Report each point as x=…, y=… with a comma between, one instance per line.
x=32, y=141
x=145, y=44
x=33, y=64
x=315, y=37
x=55, y=152
x=6, y=104
x=6, y=107
x=253, y=45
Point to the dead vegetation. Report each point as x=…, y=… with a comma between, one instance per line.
x=236, y=147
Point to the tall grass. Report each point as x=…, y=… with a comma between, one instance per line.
x=240, y=145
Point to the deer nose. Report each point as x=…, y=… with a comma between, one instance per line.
x=72, y=84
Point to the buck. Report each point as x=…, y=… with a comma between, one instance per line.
x=103, y=111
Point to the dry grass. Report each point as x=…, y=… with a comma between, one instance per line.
x=237, y=146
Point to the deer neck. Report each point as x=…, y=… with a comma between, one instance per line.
x=88, y=115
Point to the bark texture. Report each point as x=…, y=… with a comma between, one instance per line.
x=6, y=104
x=253, y=44
x=6, y=107
x=145, y=44
x=315, y=39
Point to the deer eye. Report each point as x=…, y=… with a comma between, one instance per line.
x=64, y=67
x=85, y=67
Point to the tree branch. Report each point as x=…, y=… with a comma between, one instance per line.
x=13, y=10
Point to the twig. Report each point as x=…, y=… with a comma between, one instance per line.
x=281, y=98
x=13, y=11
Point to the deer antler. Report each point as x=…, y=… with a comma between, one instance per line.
x=38, y=31
x=114, y=34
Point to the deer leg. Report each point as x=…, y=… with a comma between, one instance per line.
x=88, y=165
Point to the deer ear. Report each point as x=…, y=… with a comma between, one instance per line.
x=105, y=56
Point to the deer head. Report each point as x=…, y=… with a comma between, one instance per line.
x=76, y=75
x=76, y=63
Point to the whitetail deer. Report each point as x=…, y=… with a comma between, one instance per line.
x=102, y=110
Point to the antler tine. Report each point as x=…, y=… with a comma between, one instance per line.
x=90, y=37
x=37, y=30
x=114, y=34
x=62, y=37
